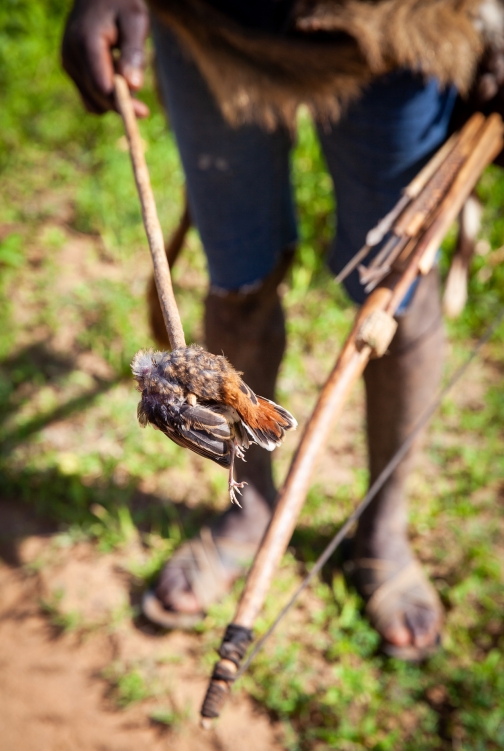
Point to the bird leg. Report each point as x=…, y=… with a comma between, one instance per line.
x=233, y=486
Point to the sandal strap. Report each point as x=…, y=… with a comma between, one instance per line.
x=203, y=560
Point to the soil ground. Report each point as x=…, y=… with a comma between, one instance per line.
x=52, y=695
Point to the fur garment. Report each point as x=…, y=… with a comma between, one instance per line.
x=330, y=51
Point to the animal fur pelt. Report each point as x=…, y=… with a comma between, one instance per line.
x=330, y=51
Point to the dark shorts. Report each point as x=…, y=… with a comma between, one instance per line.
x=238, y=180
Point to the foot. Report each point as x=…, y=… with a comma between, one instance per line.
x=203, y=570
x=401, y=603
x=234, y=488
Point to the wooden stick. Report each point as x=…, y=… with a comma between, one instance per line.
x=419, y=182
x=483, y=153
x=424, y=250
x=415, y=215
x=455, y=291
x=411, y=191
x=150, y=218
x=419, y=213
x=349, y=366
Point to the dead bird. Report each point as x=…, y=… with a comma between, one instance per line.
x=200, y=401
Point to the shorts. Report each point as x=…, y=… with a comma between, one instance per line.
x=238, y=179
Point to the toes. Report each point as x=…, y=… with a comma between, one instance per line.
x=416, y=626
x=404, y=608
x=174, y=591
x=397, y=633
x=423, y=624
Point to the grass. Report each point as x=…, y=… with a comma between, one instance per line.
x=128, y=685
x=61, y=620
x=73, y=271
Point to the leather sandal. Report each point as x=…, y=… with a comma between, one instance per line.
x=210, y=566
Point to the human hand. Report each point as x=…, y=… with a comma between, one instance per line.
x=489, y=85
x=487, y=93
x=95, y=28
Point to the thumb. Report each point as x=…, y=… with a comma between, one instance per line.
x=133, y=30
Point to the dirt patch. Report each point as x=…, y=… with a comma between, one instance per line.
x=55, y=689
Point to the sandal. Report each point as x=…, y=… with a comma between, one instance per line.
x=210, y=566
x=388, y=594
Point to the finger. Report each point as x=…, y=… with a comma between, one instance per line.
x=93, y=103
x=133, y=30
x=487, y=87
x=100, y=65
x=140, y=109
x=423, y=624
x=495, y=65
x=396, y=632
x=94, y=100
x=86, y=56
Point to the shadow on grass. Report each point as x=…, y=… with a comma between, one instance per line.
x=35, y=366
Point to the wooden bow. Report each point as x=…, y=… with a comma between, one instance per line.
x=417, y=226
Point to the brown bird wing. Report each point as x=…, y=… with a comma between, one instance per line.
x=201, y=444
x=201, y=430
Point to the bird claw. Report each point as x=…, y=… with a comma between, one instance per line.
x=235, y=487
x=239, y=452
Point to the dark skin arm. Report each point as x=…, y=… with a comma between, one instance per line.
x=95, y=28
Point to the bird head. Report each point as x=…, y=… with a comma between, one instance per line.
x=145, y=368
x=149, y=373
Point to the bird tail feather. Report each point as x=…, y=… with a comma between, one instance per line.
x=268, y=423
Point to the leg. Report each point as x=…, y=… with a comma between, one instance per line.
x=234, y=486
x=374, y=152
x=238, y=187
x=249, y=328
x=398, y=388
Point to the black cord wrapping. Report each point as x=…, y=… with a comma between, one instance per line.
x=235, y=643
x=214, y=699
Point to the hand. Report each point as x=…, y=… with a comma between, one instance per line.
x=94, y=29
x=486, y=95
x=489, y=84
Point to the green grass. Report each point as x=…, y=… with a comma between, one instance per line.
x=128, y=685
x=73, y=267
x=61, y=620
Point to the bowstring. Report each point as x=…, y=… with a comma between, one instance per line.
x=374, y=489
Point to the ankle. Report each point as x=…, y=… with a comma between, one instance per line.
x=248, y=523
x=384, y=541
x=257, y=472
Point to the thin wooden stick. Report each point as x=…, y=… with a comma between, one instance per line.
x=384, y=301
x=420, y=211
x=455, y=291
x=415, y=215
x=413, y=191
x=150, y=218
x=483, y=153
